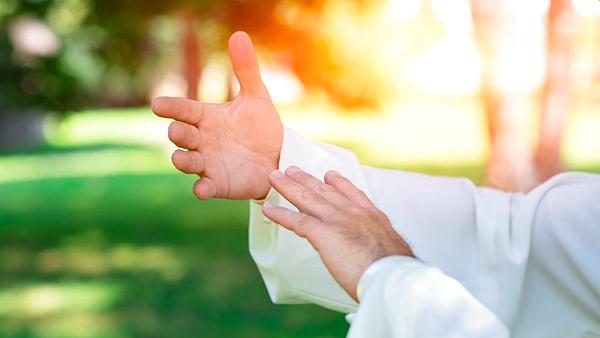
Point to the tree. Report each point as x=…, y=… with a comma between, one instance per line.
x=556, y=96
x=104, y=53
x=34, y=78
x=507, y=41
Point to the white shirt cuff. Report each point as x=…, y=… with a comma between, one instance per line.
x=370, y=274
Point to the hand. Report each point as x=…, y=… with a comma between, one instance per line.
x=232, y=146
x=339, y=220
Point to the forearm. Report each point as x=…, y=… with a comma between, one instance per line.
x=480, y=237
x=436, y=215
x=402, y=297
x=292, y=270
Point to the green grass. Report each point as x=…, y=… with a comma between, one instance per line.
x=100, y=237
x=151, y=260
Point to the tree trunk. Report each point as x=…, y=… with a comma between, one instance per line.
x=506, y=43
x=192, y=62
x=556, y=97
x=506, y=61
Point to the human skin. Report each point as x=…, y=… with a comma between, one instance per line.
x=339, y=220
x=234, y=148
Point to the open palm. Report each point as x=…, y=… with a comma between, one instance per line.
x=232, y=146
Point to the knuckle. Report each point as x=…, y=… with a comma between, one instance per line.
x=308, y=196
x=300, y=224
x=357, y=194
x=355, y=210
x=326, y=188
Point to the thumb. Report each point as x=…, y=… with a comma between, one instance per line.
x=245, y=64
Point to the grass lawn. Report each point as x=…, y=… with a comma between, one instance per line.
x=134, y=256
x=100, y=237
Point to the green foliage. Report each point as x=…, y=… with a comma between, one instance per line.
x=29, y=80
x=99, y=56
x=112, y=53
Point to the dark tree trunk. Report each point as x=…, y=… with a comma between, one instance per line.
x=192, y=58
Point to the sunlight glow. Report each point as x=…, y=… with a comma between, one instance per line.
x=44, y=299
x=521, y=67
x=127, y=126
x=83, y=164
x=214, y=83
x=171, y=84
x=451, y=66
x=530, y=8
x=161, y=260
x=122, y=141
x=405, y=133
x=455, y=15
x=587, y=8
x=401, y=10
x=284, y=86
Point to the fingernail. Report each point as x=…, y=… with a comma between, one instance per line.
x=294, y=170
x=269, y=205
x=334, y=173
x=277, y=173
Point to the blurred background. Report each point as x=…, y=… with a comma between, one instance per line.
x=101, y=237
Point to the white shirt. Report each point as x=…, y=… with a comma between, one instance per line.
x=491, y=264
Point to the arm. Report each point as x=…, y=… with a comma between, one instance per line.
x=402, y=297
x=478, y=236
x=273, y=247
x=560, y=288
x=436, y=215
x=399, y=296
x=563, y=274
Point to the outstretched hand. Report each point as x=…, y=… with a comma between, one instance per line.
x=232, y=146
x=339, y=220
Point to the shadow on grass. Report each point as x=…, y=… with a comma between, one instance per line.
x=44, y=148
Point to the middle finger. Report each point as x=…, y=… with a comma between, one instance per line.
x=184, y=135
x=307, y=193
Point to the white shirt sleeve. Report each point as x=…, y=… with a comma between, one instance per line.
x=282, y=257
x=478, y=237
x=400, y=297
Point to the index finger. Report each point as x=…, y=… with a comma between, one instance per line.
x=300, y=195
x=178, y=108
